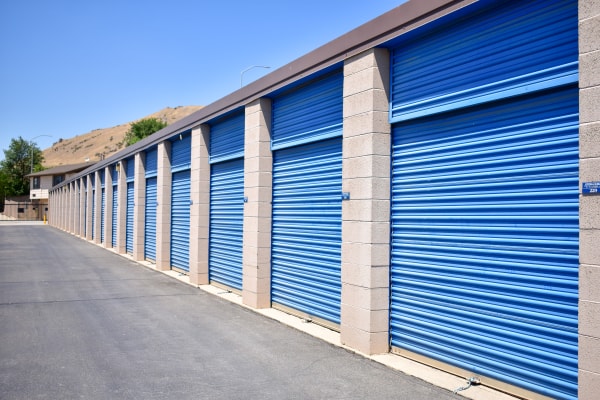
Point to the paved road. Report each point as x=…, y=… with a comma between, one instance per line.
x=80, y=322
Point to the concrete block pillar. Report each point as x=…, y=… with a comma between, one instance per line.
x=258, y=188
x=366, y=216
x=82, y=198
x=75, y=211
x=163, y=211
x=58, y=208
x=54, y=208
x=66, y=194
x=62, y=208
x=108, y=211
x=98, y=206
x=66, y=205
x=589, y=205
x=139, y=208
x=122, y=208
x=88, y=211
x=69, y=208
x=72, y=207
x=200, y=209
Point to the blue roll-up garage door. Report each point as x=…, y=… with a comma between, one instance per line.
x=484, y=265
x=130, y=206
x=115, y=216
x=129, y=219
x=180, y=202
x=115, y=202
x=102, y=205
x=93, y=207
x=226, y=200
x=102, y=214
x=85, y=189
x=307, y=187
x=151, y=167
x=150, y=228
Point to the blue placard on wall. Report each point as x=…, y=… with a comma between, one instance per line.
x=590, y=188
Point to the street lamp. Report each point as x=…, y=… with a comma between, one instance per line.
x=31, y=149
x=248, y=69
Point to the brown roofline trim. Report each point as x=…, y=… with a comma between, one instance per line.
x=388, y=26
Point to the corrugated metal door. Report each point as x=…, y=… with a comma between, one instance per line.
x=129, y=219
x=180, y=202
x=93, y=207
x=180, y=220
x=151, y=164
x=115, y=210
x=491, y=52
x=130, y=205
x=150, y=212
x=307, y=188
x=85, y=189
x=102, y=206
x=115, y=202
x=102, y=214
x=151, y=168
x=226, y=200
x=484, y=265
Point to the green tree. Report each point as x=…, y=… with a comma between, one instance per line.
x=143, y=128
x=17, y=164
x=3, y=185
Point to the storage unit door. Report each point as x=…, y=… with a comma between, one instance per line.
x=93, y=213
x=115, y=215
x=85, y=210
x=129, y=219
x=180, y=220
x=484, y=264
x=150, y=228
x=226, y=222
x=102, y=214
x=306, y=232
x=485, y=232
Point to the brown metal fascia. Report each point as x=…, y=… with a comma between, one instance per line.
x=388, y=26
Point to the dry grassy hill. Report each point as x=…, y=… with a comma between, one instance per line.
x=92, y=146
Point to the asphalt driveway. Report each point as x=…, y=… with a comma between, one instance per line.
x=80, y=322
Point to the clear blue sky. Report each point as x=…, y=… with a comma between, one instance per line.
x=70, y=66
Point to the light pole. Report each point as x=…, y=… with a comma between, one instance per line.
x=31, y=149
x=248, y=69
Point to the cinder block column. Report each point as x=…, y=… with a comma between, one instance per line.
x=66, y=205
x=589, y=205
x=58, y=208
x=122, y=208
x=163, y=211
x=366, y=216
x=82, y=197
x=62, y=208
x=200, y=209
x=98, y=206
x=108, y=212
x=88, y=211
x=75, y=210
x=258, y=188
x=66, y=208
x=139, y=209
x=70, y=207
x=50, y=206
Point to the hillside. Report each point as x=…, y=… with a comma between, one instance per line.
x=93, y=145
